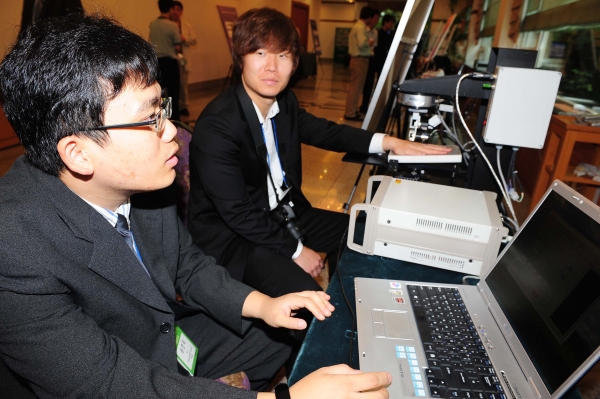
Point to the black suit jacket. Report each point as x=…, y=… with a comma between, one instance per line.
x=78, y=314
x=229, y=196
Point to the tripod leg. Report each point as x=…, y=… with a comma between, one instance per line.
x=347, y=204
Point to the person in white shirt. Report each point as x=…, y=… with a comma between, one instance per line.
x=188, y=40
x=360, y=48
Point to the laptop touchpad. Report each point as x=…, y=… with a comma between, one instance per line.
x=391, y=324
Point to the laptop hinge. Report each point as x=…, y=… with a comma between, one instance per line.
x=485, y=298
x=503, y=333
x=536, y=392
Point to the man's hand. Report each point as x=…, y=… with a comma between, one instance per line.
x=278, y=312
x=405, y=147
x=342, y=382
x=310, y=262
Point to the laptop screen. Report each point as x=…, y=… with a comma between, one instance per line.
x=548, y=285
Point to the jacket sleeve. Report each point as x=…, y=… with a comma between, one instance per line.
x=325, y=134
x=202, y=283
x=220, y=156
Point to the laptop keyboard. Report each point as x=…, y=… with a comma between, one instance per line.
x=458, y=363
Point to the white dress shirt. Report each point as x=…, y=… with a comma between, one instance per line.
x=275, y=166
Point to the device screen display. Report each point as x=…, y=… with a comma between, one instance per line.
x=548, y=286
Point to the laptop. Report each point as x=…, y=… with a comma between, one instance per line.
x=529, y=329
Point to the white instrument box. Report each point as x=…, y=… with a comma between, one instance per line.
x=441, y=226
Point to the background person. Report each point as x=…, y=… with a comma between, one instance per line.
x=384, y=41
x=188, y=40
x=360, y=47
x=164, y=35
x=385, y=35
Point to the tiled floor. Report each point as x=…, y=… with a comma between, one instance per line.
x=327, y=180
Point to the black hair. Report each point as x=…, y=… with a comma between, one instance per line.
x=386, y=18
x=165, y=5
x=368, y=12
x=178, y=3
x=59, y=75
x=264, y=28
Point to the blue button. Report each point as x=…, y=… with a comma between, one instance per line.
x=413, y=362
x=399, y=348
x=420, y=392
x=417, y=384
x=416, y=377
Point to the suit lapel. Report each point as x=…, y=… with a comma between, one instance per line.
x=154, y=258
x=253, y=123
x=112, y=258
x=283, y=123
x=116, y=262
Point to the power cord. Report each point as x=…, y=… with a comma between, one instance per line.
x=479, y=75
x=337, y=272
x=454, y=137
x=509, y=201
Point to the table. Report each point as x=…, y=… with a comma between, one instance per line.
x=564, y=135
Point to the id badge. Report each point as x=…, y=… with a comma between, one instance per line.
x=187, y=352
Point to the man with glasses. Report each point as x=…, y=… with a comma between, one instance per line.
x=102, y=293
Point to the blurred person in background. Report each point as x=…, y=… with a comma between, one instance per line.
x=188, y=40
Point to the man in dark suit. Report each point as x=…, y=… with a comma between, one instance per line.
x=102, y=293
x=385, y=36
x=246, y=163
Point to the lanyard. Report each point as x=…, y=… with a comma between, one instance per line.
x=285, y=185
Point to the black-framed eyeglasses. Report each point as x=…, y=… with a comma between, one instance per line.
x=157, y=124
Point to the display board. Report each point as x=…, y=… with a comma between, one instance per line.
x=228, y=16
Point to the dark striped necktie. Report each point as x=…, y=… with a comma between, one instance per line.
x=123, y=229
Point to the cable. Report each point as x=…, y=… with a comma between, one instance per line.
x=512, y=222
x=512, y=178
x=454, y=137
x=502, y=190
x=509, y=200
x=337, y=271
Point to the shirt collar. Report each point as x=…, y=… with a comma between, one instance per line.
x=124, y=209
x=274, y=110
